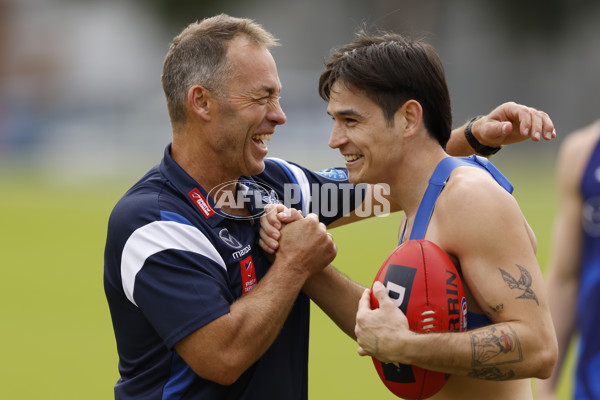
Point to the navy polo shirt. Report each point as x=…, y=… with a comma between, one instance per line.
x=175, y=262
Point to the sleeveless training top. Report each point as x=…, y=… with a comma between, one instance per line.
x=588, y=318
x=436, y=184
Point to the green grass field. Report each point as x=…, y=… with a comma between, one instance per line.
x=57, y=336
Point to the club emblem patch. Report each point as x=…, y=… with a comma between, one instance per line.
x=333, y=174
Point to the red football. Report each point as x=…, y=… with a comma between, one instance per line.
x=424, y=283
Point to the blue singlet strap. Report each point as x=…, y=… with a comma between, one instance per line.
x=438, y=181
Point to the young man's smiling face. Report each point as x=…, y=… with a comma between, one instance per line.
x=360, y=132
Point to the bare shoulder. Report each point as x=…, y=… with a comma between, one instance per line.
x=472, y=189
x=474, y=208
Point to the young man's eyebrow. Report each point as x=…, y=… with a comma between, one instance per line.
x=345, y=113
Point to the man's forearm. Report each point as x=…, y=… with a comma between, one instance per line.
x=337, y=296
x=457, y=145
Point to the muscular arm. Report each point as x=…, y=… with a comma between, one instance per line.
x=223, y=349
x=506, y=124
x=337, y=296
x=496, y=250
x=332, y=291
x=486, y=232
x=377, y=202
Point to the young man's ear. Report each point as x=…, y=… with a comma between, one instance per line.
x=199, y=101
x=412, y=113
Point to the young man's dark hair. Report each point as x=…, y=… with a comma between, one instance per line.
x=391, y=69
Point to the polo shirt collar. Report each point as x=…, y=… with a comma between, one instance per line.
x=197, y=196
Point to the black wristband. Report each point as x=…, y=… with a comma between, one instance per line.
x=474, y=143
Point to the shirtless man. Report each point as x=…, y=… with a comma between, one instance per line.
x=392, y=117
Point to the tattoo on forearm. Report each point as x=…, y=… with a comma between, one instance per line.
x=491, y=347
x=524, y=283
x=491, y=374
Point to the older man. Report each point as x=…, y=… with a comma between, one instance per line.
x=198, y=311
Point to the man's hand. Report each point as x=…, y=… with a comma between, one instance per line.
x=271, y=222
x=512, y=123
x=379, y=332
x=306, y=246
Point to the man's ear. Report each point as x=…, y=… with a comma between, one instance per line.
x=413, y=117
x=199, y=101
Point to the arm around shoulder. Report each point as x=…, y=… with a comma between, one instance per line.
x=506, y=124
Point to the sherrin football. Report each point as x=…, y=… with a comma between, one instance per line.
x=424, y=283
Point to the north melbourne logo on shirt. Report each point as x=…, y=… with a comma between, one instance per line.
x=228, y=239
x=333, y=174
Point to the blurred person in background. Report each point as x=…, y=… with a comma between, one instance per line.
x=29, y=71
x=574, y=267
x=198, y=310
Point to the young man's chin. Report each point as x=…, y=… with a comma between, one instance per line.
x=353, y=179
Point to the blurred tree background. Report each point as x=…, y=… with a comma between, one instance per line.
x=72, y=73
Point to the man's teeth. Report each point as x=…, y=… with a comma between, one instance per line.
x=262, y=137
x=352, y=157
